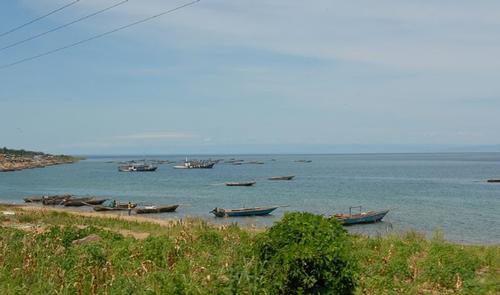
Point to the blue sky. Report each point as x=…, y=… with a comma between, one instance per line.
x=238, y=76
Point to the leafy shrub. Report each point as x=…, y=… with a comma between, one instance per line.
x=307, y=253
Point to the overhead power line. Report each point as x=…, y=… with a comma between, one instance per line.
x=38, y=18
x=99, y=35
x=63, y=26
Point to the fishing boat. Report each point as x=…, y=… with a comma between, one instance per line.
x=493, y=180
x=137, y=168
x=55, y=200
x=290, y=177
x=78, y=202
x=245, y=183
x=256, y=211
x=362, y=217
x=156, y=209
x=101, y=208
x=125, y=205
x=196, y=164
x=303, y=161
x=256, y=162
x=33, y=199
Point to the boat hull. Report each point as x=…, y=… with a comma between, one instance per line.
x=162, y=209
x=100, y=208
x=370, y=217
x=83, y=202
x=282, y=177
x=251, y=183
x=242, y=212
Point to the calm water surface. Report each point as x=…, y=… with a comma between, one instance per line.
x=425, y=192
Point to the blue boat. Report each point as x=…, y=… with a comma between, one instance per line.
x=256, y=211
x=362, y=217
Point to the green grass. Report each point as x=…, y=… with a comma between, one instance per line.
x=192, y=257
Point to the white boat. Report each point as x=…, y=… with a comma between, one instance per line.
x=196, y=164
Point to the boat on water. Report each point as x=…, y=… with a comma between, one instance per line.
x=137, y=168
x=196, y=164
x=361, y=217
x=244, y=183
x=497, y=180
x=303, y=161
x=289, y=177
x=256, y=162
x=78, y=202
x=156, y=209
x=256, y=211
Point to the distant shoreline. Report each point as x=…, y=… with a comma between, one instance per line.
x=16, y=160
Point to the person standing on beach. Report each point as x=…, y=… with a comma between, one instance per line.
x=129, y=206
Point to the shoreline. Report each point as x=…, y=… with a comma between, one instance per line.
x=9, y=163
x=171, y=221
x=114, y=253
x=123, y=216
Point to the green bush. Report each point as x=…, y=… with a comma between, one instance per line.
x=307, y=253
x=448, y=264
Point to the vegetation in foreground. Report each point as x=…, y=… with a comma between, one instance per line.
x=303, y=253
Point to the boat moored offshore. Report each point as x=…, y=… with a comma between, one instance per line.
x=137, y=168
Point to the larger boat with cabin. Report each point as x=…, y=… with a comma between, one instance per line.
x=137, y=168
x=196, y=164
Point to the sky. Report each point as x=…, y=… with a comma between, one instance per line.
x=226, y=76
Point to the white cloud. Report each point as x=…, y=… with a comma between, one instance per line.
x=442, y=35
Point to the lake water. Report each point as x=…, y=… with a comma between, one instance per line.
x=425, y=192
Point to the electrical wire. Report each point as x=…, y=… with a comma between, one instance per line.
x=38, y=18
x=63, y=26
x=99, y=35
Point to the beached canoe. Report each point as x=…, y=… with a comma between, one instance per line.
x=256, y=211
x=100, y=208
x=290, y=177
x=156, y=209
x=125, y=205
x=55, y=200
x=78, y=202
x=359, y=218
x=33, y=199
x=245, y=183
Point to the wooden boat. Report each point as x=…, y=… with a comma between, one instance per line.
x=33, y=199
x=362, y=217
x=55, y=200
x=78, y=202
x=125, y=205
x=290, y=177
x=256, y=211
x=100, y=208
x=156, y=209
x=256, y=162
x=246, y=183
x=493, y=180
